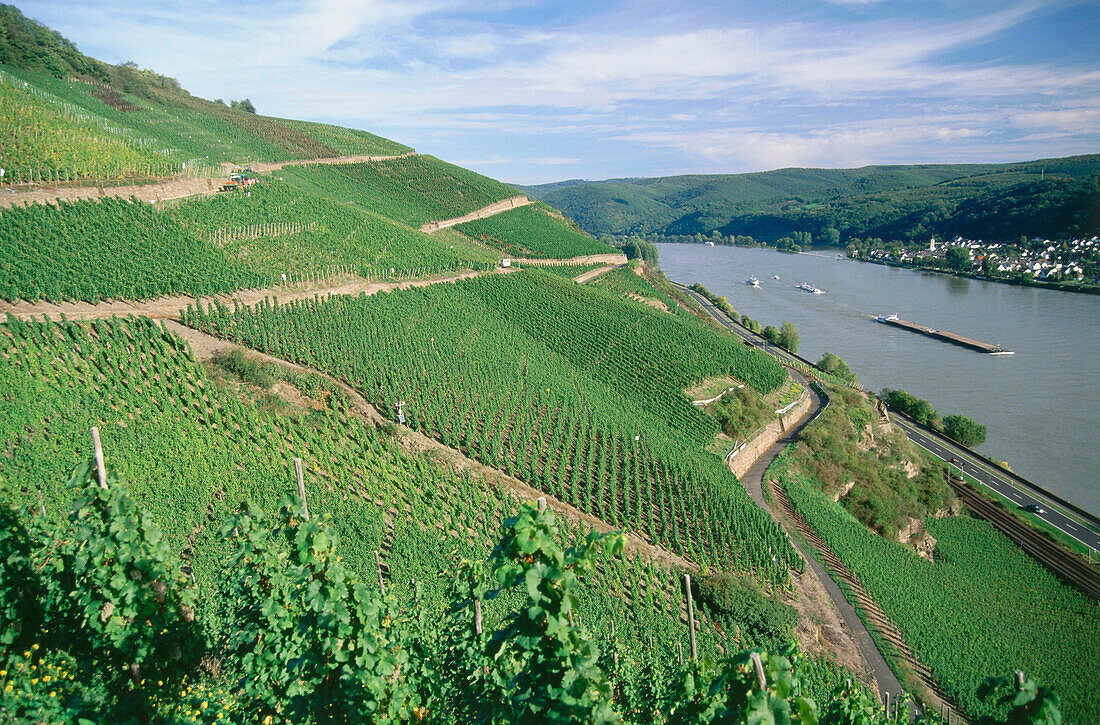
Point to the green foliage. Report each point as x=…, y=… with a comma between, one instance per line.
x=26, y=43
x=958, y=258
x=741, y=413
x=916, y=408
x=735, y=694
x=788, y=336
x=834, y=365
x=1028, y=703
x=640, y=249
x=309, y=641
x=545, y=665
x=881, y=494
x=964, y=430
x=981, y=606
x=531, y=231
x=979, y=201
x=412, y=190
x=740, y=601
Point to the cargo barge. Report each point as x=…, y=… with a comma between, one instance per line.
x=945, y=336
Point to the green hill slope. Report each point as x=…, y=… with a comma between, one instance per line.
x=891, y=202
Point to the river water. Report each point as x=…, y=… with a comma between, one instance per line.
x=1041, y=406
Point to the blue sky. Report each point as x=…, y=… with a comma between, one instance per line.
x=530, y=91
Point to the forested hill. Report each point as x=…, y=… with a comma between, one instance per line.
x=1056, y=198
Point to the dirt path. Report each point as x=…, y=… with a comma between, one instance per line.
x=618, y=259
x=337, y=160
x=169, y=307
x=152, y=193
x=206, y=346
x=486, y=211
x=585, y=277
x=163, y=190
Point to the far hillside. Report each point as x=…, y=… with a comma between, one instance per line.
x=1056, y=198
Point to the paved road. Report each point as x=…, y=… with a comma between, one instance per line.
x=753, y=479
x=885, y=678
x=964, y=461
x=1074, y=526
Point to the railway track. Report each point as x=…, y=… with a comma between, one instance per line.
x=1071, y=569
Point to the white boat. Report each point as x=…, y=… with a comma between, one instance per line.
x=710, y=244
x=810, y=288
x=775, y=276
x=752, y=281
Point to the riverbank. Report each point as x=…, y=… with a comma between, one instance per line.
x=1088, y=289
x=1054, y=337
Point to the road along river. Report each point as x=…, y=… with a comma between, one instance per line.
x=1041, y=405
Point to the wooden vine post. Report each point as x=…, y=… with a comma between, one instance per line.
x=477, y=617
x=378, y=564
x=758, y=668
x=301, y=484
x=100, y=469
x=691, y=616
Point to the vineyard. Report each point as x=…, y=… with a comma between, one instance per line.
x=530, y=231
x=71, y=131
x=982, y=605
x=115, y=249
x=626, y=282
x=48, y=141
x=586, y=404
x=191, y=454
x=347, y=141
x=412, y=190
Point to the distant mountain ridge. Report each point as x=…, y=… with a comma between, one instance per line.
x=1055, y=197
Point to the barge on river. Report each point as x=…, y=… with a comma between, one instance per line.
x=945, y=336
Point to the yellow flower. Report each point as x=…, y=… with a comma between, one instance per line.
x=53, y=693
x=34, y=647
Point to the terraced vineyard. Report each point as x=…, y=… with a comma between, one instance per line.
x=413, y=190
x=48, y=140
x=531, y=231
x=117, y=249
x=955, y=612
x=68, y=130
x=190, y=454
x=586, y=403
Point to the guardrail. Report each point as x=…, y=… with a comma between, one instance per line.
x=1012, y=477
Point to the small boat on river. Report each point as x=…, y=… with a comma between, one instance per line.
x=810, y=288
x=752, y=281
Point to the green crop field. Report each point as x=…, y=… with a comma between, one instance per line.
x=586, y=403
x=188, y=454
x=413, y=190
x=981, y=607
x=119, y=249
x=530, y=231
x=68, y=130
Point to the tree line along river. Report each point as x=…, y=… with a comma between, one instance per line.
x=1041, y=405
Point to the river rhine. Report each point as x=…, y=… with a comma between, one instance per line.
x=1041, y=405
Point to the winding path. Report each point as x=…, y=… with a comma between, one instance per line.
x=887, y=681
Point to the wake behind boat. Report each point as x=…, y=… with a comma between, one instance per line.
x=752, y=281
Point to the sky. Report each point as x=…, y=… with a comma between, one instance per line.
x=533, y=91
